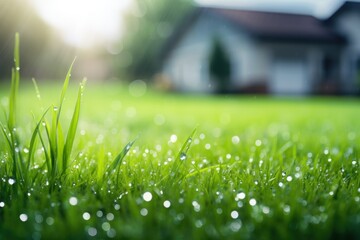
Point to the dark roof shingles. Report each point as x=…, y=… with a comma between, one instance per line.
x=281, y=26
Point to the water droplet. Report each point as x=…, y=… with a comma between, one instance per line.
x=17, y=68
x=11, y=181
x=105, y=226
x=289, y=178
x=86, y=216
x=173, y=138
x=167, y=204
x=110, y=216
x=235, y=139
x=235, y=226
x=92, y=231
x=234, y=214
x=55, y=109
x=23, y=217
x=258, y=143
x=147, y=196
x=286, y=208
x=252, y=202
x=73, y=201
x=2, y=204
x=144, y=212
x=50, y=221
x=111, y=233
x=196, y=206
x=183, y=156
x=99, y=214
x=266, y=210
x=240, y=196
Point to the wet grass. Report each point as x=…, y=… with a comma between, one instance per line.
x=253, y=168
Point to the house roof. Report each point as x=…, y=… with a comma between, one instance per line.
x=268, y=26
x=348, y=5
x=278, y=26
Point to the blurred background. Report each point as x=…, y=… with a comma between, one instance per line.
x=297, y=47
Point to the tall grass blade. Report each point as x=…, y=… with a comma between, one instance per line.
x=72, y=128
x=117, y=161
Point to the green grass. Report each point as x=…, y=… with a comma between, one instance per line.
x=253, y=168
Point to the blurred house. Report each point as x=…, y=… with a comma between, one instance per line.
x=277, y=53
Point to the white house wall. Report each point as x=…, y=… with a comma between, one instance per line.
x=187, y=65
x=348, y=23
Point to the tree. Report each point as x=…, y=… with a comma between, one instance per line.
x=147, y=27
x=219, y=65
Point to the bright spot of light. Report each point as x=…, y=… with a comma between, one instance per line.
x=84, y=23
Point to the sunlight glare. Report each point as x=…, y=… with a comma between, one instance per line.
x=84, y=23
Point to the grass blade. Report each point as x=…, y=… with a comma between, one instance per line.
x=72, y=128
x=117, y=161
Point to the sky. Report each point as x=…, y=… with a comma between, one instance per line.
x=85, y=23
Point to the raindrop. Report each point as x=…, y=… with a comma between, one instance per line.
x=55, y=109
x=23, y=217
x=147, y=196
x=289, y=178
x=2, y=204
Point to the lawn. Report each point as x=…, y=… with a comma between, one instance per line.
x=255, y=168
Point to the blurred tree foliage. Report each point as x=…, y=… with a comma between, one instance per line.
x=43, y=54
x=219, y=65
x=147, y=26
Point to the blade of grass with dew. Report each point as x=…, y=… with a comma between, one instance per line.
x=32, y=144
x=72, y=128
x=15, y=77
x=117, y=161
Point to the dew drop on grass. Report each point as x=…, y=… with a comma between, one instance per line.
x=167, y=204
x=235, y=140
x=92, y=231
x=289, y=178
x=73, y=201
x=258, y=143
x=99, y=214
x=86, y=216
x=147, y=196
x=235, y=226
x=183, y=156
x=23, y=217
x=111, y=233
x=173, y=138
x=105, y=226
x=234, y=214
x=110, y=216
x=2, y=204
x=266, y=210
x=144, y=212
x=11, y=181
x=50, y=221
x=252, y=202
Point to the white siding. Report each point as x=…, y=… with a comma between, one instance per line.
x=187, y=65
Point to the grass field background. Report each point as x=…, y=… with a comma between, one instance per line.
x=257, y=167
